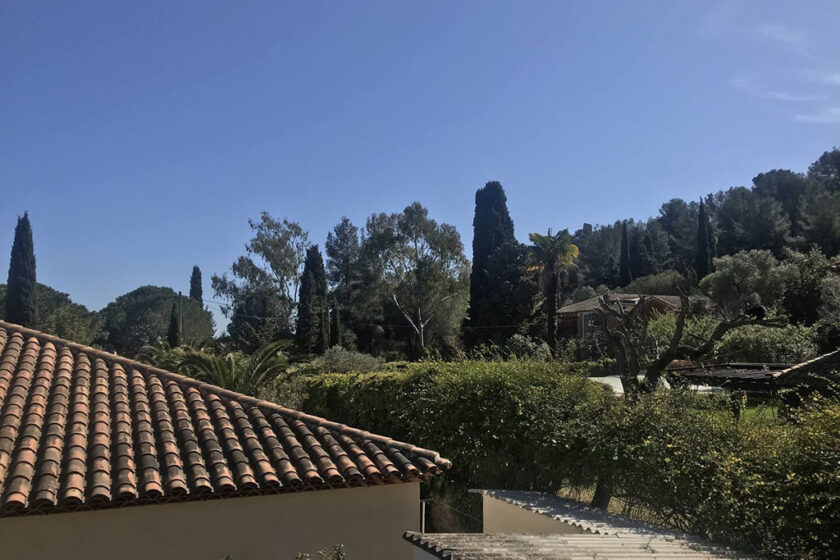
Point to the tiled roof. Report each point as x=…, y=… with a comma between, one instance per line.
x=500, y=546
x=630, y=300
x=84, y=429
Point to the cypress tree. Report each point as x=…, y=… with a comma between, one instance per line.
x=335, y=329
x=312, y=334
x=196, y=291
x=625, y=274
x=492, y=228
x=304, y=333
x=324, y=339
x=173, y=335
x=21, y=287
x=703, y=257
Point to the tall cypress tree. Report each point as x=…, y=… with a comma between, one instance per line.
x=196, y=291
x=335, y=328
x=703, y=257
x=312, y=333
x=305, y=329
x=492, y=228
x=173, y=334
x=625, y=274
x=21, y=296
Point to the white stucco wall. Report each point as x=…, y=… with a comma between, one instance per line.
x=501, y=517
x=369, y=522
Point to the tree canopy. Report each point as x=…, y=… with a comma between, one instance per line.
x=261, y=293
x=142, y=317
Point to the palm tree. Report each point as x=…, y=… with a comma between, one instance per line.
x=553, y=256
x=236, y=371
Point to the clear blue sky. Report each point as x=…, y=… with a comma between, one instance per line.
x=142, y=136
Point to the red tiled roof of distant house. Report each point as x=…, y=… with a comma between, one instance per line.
x=84, y=429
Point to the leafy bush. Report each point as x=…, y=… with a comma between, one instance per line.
x=788, y=345
x=57, y=314
x=747, y=279
x=503, y=424
x=335, y=553
x=582, y=293
x=667, y=283
x=257, y=373
x=339, y=360
x=766, y=484
x=517, y=347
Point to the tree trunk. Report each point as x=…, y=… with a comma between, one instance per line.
x=603, y=493
x=551, y=313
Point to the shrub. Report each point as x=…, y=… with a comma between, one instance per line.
x=667, y=283
x=752, y=343
x=339, y=360
x=503, y=424
x=767, y=484
x=788, y=345
x=517, y=347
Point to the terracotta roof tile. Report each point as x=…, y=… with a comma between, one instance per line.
x=84, y=429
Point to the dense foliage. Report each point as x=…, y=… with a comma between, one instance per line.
x=262, y=290
x=770, y=484
x=340, y=360
x=313, y=316
x=196, y=289
x=59, y=315
x=142, y=317
x=21, y=287
x=492, y=229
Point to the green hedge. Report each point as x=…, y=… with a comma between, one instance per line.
x=767, y=484
x=503, y=424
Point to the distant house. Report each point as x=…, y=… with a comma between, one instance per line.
x=539, y=526
x=582, y=319
x=102, y=457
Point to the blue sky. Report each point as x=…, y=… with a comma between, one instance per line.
x=142, y=136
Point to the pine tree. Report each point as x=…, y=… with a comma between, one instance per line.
x=703, y=258
x=312, y=335
x=21, y=297
x=492, y=228
x=625, y=274
x=173, y=334
x=196, y=291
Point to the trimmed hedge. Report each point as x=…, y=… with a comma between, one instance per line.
x=771, y=484
x=503, y=424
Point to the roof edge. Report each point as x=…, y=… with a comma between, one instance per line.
x=42, y=337
x=418, y=540
x=806, y=363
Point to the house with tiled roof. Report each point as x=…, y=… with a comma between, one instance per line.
x=103, y=457
x=581, y=319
